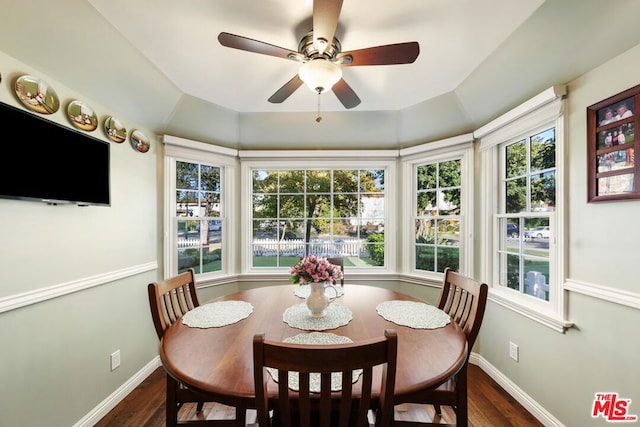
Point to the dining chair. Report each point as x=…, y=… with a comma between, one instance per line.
x=169, y=300
x=313, y=365
x=465, y=300
x=339, y=261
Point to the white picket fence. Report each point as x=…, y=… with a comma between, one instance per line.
x=188, y=243
x=296, y=247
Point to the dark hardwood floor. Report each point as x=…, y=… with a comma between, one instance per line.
x=489, y=406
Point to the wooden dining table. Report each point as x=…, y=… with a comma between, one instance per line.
x=218, y=361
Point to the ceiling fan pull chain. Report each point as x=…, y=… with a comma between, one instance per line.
x=319, y=118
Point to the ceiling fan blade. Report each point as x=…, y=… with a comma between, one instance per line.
x=345, y=94
x=256, y=46
x=325, y=22
x=286, y=90
x=398, y=53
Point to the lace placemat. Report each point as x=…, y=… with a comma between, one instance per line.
x=216, y=314
x=414, y=314
x=303, y=291
x=298, y=316
x=324, y=338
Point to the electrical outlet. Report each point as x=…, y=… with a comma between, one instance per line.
x=513, y=351
x=115, y=359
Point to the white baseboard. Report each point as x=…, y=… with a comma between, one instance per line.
x=516, y=392
x=117, y=396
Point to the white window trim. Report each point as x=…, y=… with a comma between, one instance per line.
x=459, y=147
x=179, y=149
x=292, y=159
x=544, y=110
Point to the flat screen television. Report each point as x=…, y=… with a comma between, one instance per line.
x=51, y=163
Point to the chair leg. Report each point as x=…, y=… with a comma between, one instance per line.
x=241, y=416
x=438, y=409
x=462, y=408
x=199, y=407
x=171, y=405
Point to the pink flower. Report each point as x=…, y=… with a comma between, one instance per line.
x=314, y=268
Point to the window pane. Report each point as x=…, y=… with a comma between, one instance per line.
x=210, y=179
x=265, y=206
x=290, y=182
x=536, y=278
x=345, y=181
x=318, y=181
x=450, y=202
x=325, y=211
x=372, y=206
x=372, y=181
x=186, y=176
x=543, y=151
x=425, y=258
x=516, y=195
x=291, y=206
x=426, y=176
x=516, y=159
x=425, y=231
x=543, y=191
x=448, y=257
x=259, y=181
x=449, y=232
x=449, y=174
x=426, y=203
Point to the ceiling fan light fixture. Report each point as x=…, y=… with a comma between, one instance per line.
x=320, y=74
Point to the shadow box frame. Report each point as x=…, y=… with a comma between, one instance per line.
x=613, y=172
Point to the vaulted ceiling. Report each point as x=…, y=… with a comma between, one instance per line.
x=158, y=63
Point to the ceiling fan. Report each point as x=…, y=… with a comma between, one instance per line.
x=321, y=56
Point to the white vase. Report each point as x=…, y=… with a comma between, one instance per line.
x=318, y=301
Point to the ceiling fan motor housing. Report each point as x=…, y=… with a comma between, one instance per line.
x=310, y=51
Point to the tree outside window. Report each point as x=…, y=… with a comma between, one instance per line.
x=328, y=212
x=437, y=221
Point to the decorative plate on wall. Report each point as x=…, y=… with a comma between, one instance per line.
x=82, y=116
x=37, y=95
x=139, y=141
x=115, y=130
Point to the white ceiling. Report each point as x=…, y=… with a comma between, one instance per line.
x=180, y=39
x=158, y=64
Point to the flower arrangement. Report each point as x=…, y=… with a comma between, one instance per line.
x=315, y=268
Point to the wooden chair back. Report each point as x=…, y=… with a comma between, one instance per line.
x=171, y=298
x=301, y=407
x=465, y=300
x=339, y=261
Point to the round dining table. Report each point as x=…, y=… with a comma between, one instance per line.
x=218, y=361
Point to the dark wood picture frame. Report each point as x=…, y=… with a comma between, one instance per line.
x=612, y=170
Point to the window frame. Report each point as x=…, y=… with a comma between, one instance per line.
x=178, y=149
x=456, y=148
x=541, y=112
x=251, y=160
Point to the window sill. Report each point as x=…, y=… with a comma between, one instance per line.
x=546, y=318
